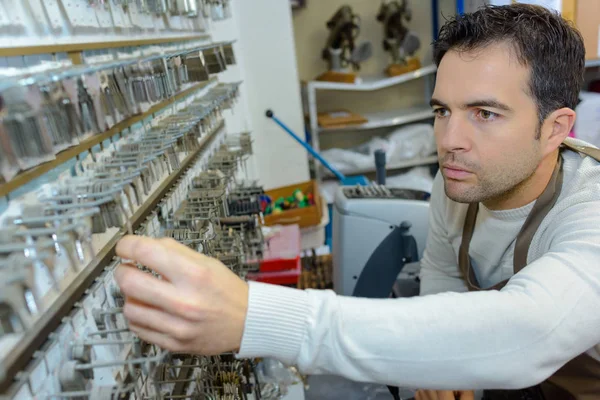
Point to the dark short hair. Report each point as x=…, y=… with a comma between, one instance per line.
x=549, y=45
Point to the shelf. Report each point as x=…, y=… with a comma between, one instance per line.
x=62, y=157
x=416, y=162
x=93, y=45
x=375, y=82
x=382, y=119
x=592, y=63
x=35, y=337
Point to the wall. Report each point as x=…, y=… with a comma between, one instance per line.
x=267, y=64
x=311, y=34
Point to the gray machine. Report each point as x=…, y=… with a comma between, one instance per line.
x=378, y=232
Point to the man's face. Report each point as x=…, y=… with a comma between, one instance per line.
x=486, y=124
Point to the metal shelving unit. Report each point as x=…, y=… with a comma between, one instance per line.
x=34, y=338
x=62, y=157
x=376, y=120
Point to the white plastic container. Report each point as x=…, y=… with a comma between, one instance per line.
x=314, y=236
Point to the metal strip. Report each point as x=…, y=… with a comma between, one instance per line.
x=75, y=47
x=62, y=157
x=18, y=359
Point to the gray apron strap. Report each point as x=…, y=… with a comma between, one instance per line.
x=541, y=208
x=464, y=261
x=585, y=150
x=579, y=379
x=546, y=200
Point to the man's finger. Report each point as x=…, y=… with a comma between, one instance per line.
x=426, y=395
x=154, y=254
x=145, y=288
x=157, y=320
x=446, y=395
x=162, y=340
x=186, y=250
x=467, y=395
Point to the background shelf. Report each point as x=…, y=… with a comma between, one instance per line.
x=73, y=46
x=383, y=119
x=592, y=63
x=374, y=82
x=415, y=162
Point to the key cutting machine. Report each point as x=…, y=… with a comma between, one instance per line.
x=378, y=231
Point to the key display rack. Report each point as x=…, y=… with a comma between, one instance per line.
x=105, y=137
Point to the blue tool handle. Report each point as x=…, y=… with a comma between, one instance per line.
x=308, y=147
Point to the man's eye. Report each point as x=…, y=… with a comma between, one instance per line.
x=441, y=112
x=486, y=115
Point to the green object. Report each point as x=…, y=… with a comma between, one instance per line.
x=298, y=195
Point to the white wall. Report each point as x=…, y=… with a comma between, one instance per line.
x=238, y=118
x=267, y=60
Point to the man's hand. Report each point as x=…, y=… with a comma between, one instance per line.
x=444, y=395
x=199, y=306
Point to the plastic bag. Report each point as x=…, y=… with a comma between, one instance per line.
x=587, y=123
x=405, y=143
x=275, y=378
x=23, y=126
x=411, y=141
x=8, y=160
x=418, y=178
x=358, y=158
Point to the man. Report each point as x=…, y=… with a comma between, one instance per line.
x=508, y=198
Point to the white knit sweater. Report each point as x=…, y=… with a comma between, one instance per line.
x=547, y=314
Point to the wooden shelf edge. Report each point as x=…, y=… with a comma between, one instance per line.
x=83, y=46
x=22, y=354
x=27, y=176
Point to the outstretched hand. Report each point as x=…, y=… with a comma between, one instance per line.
x=199, y=306
x=444, y=395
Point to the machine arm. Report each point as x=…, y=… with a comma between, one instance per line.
x=386, y=262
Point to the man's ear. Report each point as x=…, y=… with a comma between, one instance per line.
x=556, y=128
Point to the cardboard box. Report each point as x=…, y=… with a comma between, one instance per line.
x=584, y=13
x=565, y=7
x=304, y=217
x=588, y=22
x=551, y=4
x=569, y=10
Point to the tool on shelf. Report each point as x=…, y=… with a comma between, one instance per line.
x=398, y=40
x=344, y=180
x=340, y=52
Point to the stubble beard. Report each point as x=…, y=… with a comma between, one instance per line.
x=493, y=184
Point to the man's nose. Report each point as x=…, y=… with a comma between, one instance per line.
x=454, y=135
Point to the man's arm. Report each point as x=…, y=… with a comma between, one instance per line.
x=439, y=268
x=546, y=315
